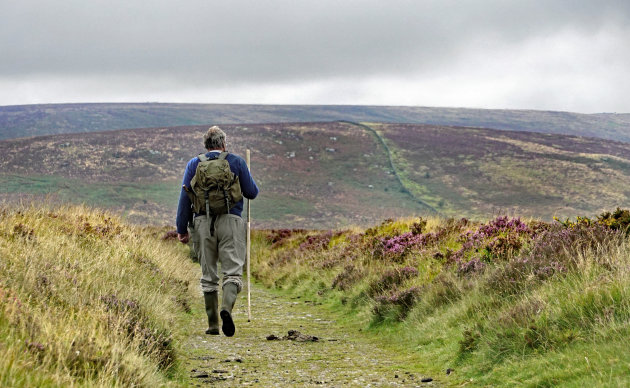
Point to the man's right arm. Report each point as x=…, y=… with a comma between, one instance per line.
x=184, y=211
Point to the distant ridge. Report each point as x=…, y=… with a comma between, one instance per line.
x=34, y=120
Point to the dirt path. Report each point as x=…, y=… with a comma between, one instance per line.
x=381, y=140
x=341, y=356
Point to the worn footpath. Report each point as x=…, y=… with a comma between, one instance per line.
x=324, y=352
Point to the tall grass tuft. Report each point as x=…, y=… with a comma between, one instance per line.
x=87, y=300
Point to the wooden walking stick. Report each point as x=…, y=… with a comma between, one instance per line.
x=249, y=245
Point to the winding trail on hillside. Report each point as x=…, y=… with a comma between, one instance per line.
x=391, y=162
x=342, y=355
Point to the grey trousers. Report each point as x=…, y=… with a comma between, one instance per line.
x=193, y=244
x=227, y=246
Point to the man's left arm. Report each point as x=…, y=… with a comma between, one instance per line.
x=248, y=185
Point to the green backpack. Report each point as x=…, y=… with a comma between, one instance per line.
x=215, y=189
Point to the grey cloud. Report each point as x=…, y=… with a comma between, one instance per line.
x=274, y=41
x=556, y=54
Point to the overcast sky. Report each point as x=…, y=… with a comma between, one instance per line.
x=528, y=54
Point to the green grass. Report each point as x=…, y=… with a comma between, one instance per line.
x=86, y=300
x=92, y=193
x=510, y=323
x=270, y=207
x=141, y=201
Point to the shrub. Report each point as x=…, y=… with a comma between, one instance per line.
x=617, y=220
x=397, y=247
x=170, y=235
x=387, y=223
x=561, y=245
x=418, y=226
x=442, y=290
x=400, y=303
x=347, y=278
x=553, y=252
x=279, y=237
x=475, y=265
x=319, y=241
x=500, y=239
x=391, y=279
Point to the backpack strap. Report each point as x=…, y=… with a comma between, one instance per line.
x=222, y=156
x=189, y=193
x=203, y=157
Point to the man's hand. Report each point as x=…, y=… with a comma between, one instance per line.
x=183, y=238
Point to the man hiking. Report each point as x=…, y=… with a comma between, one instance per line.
x=212, y=194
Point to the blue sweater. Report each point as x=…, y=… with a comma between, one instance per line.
x=238, y=167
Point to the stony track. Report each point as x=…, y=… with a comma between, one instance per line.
x=342, y=355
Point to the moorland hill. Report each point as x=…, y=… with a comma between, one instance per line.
x=34, y=120
x=311, y=175
x=476, y=171
x=331, y=174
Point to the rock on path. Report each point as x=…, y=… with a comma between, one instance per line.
x=341, y=356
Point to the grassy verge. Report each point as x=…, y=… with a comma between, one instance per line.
x=144, y=203
x=92, y=193
x=86, y=300
x=496, y=303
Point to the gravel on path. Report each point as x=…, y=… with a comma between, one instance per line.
x=340, y=355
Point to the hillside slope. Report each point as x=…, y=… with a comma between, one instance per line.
x=323, y=175
x=312, y=175
x=34, y=120
x=474, y=171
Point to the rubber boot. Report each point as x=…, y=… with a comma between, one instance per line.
x=212, y=310
x=230, y=290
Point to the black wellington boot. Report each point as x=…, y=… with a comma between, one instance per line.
x=230, y=291
x=212, y=310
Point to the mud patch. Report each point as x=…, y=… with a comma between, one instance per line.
x=294, y=335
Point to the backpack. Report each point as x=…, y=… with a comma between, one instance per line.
x=215, y=189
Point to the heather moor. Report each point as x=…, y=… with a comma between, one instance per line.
x=505, y=301
x=383, y=254
x=331, y=174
